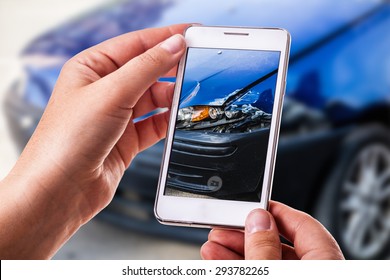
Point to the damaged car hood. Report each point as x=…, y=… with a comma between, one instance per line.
x=228, y=76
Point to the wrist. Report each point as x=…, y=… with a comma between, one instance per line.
x=39, y=217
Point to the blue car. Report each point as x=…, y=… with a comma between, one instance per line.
x=334, y=150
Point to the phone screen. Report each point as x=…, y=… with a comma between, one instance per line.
x=223, y=123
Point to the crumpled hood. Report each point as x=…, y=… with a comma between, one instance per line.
x=214, y=76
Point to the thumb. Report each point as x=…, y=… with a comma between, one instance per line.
x=262, y=237
x=129, y=82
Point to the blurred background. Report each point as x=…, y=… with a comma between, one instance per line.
x=21, y=21
x=334, y=152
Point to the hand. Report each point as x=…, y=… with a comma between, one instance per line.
x=86, y=139
x=311, y=241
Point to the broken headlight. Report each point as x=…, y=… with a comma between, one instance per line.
x=220, y=119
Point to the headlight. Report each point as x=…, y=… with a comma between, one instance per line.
x=200, y=113
x=232, y=118
x=185, y=114
x=193, y=114
x=215, y=113
x=232, y=112
x=190, y=116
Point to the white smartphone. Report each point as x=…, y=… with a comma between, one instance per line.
x=223, y=133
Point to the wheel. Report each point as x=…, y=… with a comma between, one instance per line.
x=355, y=202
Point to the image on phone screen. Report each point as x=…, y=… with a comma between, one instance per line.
x=223, y=123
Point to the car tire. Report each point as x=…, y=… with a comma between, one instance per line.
x=355, y=202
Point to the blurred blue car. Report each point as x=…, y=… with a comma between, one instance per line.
x=334, y=152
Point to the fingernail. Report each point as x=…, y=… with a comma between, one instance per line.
x=173, y=44
x=258, y=220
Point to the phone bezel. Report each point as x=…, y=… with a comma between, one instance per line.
x=187, y=211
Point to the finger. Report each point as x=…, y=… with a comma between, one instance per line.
x=123, y=48
x=152, y=129
x=311, y=240
x=262, y=237
x=231, y=239
x=214, y=251
x=158, y=96
x=288, y=253
x=141, y=135
x=129, y=82
x=98, y=61
x=171, y=73
x=112, y=54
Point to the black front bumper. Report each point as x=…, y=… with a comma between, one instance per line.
x=221, y=165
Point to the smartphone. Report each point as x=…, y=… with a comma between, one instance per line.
x=222, y=137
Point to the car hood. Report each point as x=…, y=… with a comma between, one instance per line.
x=216, y=83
